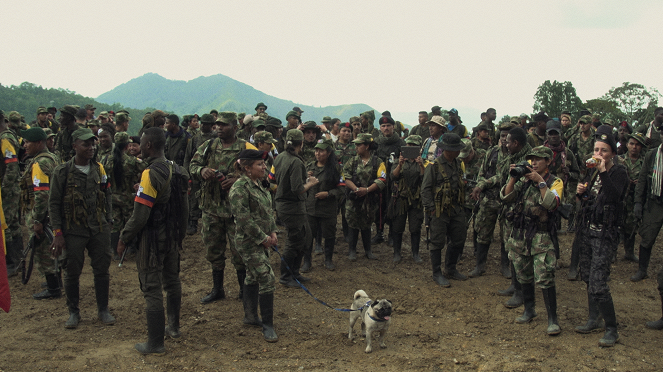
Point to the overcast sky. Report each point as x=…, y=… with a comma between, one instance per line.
x=402, y=56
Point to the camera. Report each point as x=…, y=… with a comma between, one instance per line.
x=520, y=170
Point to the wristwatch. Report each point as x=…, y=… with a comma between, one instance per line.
x=542, y=185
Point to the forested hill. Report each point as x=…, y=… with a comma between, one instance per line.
x=219, y=92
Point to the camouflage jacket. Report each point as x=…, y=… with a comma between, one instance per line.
x=251, y=204
x=35, y=186
x=472, y=173
x=104, y=155
x=477, y=143
x=212, y=154
x=123, y=190
x=344, y=151
x=570, y=180
x=443, y=188
x=308, y=152
x=193, y=145
x=176, y=145
x=506, y=166
x=9, y=169
x=64, y=143
x=489, y=177
x=582, y=148
x=535, y=140
x=633, y=168
x=409, y=185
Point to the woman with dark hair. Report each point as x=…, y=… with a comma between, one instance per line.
x=251, y=204
x=365, y=176
x=289, y=173
x=322, y=199
x=602, y=194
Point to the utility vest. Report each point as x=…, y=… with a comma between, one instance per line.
x=450, y=192
x=529, y=221
x=76, y=205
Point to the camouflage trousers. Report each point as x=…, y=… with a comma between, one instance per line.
x=360, y=216
x=165, y=276
x=43, y=259
x=596, y=252
x=539, y=268
x=217, y=233
x=485, y=220
x=121, y=214
x=194, y=202
x=10, y=207
x=258, y=268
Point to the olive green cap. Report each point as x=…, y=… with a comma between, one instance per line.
x=324, y=144
x=227, y=117
x=258, y=123
x=121, y=118
x=586, y=119
x=33, y=134
x=310, y=125
x=14, y=117
x=274, y=122
x=121, y=138
x=42, y=110
x=90, y=107
x=540, y=152
x=260, y=104
x=326, y=119
x=103, y=114
x=82, y=134
x=207, y=119
x=93, y=123
x=70, y=109
x=123, y=111
x=362, y=138
x=294, y=135
x=515, y=120
x=467, y=150
x=414, y=139
x=292, y=113
x=263, y=136
x=49, y=132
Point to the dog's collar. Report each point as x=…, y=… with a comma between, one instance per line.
x=367, y=304
x=376, y=320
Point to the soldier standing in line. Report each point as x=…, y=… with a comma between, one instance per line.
x=63, y=140
x=472, y=161
x=213, y=165
x=159, y=221
x=80, y=212
x=311, y=136
x=9, y=177
x=345, y=150
x=633, y=160
x=205, y=133
x=35, y=186
x=482, y=141
x=177, y=140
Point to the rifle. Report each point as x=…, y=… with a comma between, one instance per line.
x=30, y=251
x=427, y=223
x=123, y=255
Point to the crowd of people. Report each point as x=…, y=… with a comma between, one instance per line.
x=84, y=181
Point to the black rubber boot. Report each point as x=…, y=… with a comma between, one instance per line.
x=14, y=255
x=306, y=264
x=366, y=241
x=482, y=257
x=629, y=249
x=505, y=263
x=645, y=255
x=329, y=253
x=610, y=337
x=115, y=238
x=217, y=292
x=101, y=289
x=550, y=299
x=378, y=238
x=575, y=259
x=593, y=322
x=267, y=314
x=528, y=300
x=286, y=276
x=71, y=291
x=241, y=275
x=517, y=298
x=155, y=334
x=415, y=242
x=398, y=243
x=436, y=262
x=450, y=261
x=250, y=301
x=52, y=288
x=507, y=292
x=174, y=305
x=296, y=266
x=353, y=235
x=656, y=324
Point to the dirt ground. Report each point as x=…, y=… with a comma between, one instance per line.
x=464, y=327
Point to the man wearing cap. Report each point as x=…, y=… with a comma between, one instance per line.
x=122, y=122
x=408, y=175
x=264, y=141
x=431, y=149
x=275, y=127
x=205, y=133
x=43, y=121
x=213, y=164
x=482, y=140
x=652, y=131
x=367, y=119
x=261, y=108
x=454, y=125
x=63, y=140
x=177, y=140
x=94, y=126
x=298, y=111
x=633, y=161
x=472, y=160
x=89, y=112
x=293, y=119
x=35, y=183
x=81, y=215
x=103, y=117
x=421, y=129
x=582, y=143
x=312, y=134
x=9, y=177
x=443, y=199
x=534, y=198
x=50, y=142
x=486, y=192
x=538, y=136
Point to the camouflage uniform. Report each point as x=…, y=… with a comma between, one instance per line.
x=633, y=168
x=535, y=140
x=176, y=145
x=478, y=144
x=194, y=199
x=361, y=214
x=123, y=190
x=570, y=180
x=10, y=174
x=421, y=130
x=251, y=204
x=345, y=151
x=104, y=155
x=64, y=143
x=583, y=148
x=308, y=152
x=489, y=181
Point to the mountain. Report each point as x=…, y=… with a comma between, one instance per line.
x=219, y=92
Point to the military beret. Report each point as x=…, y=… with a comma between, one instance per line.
x=121, y=138
x=310, y=125
x=69, y=109
x=291, y=113
x=274, y=122
x=260, y=104
x=362, y=138
x=414, y=139
x=227, y=117
x=326, y=119
x=121, y=118
x=49, y=132
x=33, y=134
x=625, y=124
x=640, y=138
x=252, y=155
x=604, y=134
x=294, y=135
x=90, y=107
x=263, y=136
x=207, y=119
x=386, y=120
x=540, y=152
x=81, y=113
x=585, y=119
x=345, y=125
x=467, y=150
x=82, y=134
x=324, y=144
x=14, y=117
x=42, y=110
x=258, y=123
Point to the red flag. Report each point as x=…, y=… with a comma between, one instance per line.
x=5, y=297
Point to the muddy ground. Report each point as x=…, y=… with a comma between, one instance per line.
x=464, y=327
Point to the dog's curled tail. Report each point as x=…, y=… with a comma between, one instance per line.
x=360, y=293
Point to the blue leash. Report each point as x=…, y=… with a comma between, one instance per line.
x=276, y=249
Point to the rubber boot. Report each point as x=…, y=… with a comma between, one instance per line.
x=52, y=288
x=450, y=261
x=378, y=238
x=217, y=292
x=593, y=322
x=390, y=239
x=267, y=314
x=610, y=337
x=629, y=248
x=173, y=307
x=512, y=288
x=415, y=242
x=436, y=262
x=14, y=255
x=517, y=298
x=155, y=334
x=353, y=234
x=115, y=238
x=482, y=257
x=250, y=302
x=550, y=299
x=575, y=259
x=101, y=289
x=306, y=265
x=645, y=255
x=398, y=243
x=366, y=240
x=329, y=253
x=241, y=275
x=318, y=242
x=71, y=291
x=505, y=263
x=296, y=266
x=286, y=275
x=657, y=324
x=528, y=300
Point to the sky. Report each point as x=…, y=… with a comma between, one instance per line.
x=402, y=56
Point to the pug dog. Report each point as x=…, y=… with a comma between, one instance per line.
x=375, y=316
